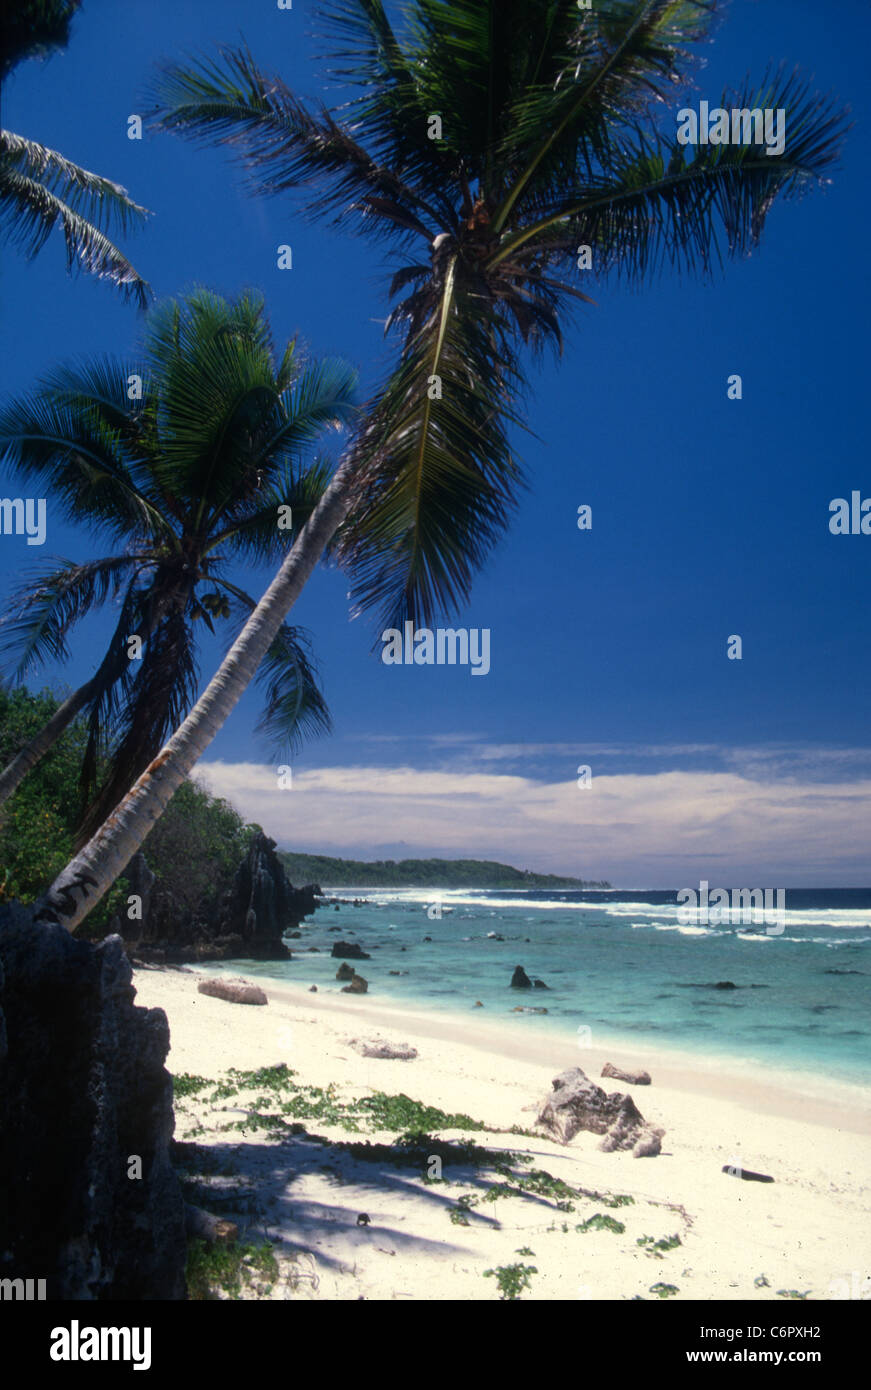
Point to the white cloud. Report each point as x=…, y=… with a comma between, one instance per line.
x=664, y=829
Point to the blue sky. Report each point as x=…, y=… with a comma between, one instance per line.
x=608, y=647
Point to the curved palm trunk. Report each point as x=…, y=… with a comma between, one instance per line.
x=24, y=761
x=92, y=872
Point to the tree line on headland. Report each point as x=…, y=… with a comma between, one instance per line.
x=421, y=873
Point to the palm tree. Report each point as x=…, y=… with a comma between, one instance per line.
x=485, y=143
x=203, y=469
x=40, y=189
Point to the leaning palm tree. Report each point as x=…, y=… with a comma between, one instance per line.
x=485, y=142
x=206, y=465
x=41, y=189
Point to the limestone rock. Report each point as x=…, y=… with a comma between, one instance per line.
x=649, y=1145
x=632, y=1078
x=263, y=904
x=234, y=991
x=520, y=979
x=380, y=1047
x=345, y=972
x=83, y=1091
x=247, y=916
x=357, y=986
x=576, y=1103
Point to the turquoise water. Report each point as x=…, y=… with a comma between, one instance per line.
x=621, y=966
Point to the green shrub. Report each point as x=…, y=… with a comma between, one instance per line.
x=512, y=1279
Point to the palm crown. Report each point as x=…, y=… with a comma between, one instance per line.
x=548, y=140
x=206, y=468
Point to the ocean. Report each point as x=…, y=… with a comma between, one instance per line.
x=619, y=966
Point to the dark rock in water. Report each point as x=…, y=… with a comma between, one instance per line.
x=427, y=938
x=312, y=989
x=337, y=908
x=233, y=991
x=84, y=1089
x=397, y=972
x=735, y=1172
x=477, y=1004
x=348, y=950
x=357, y=986
x=293, y=934
x=315, y=949
x=843, y=972
x=248, y=920
x=633, y=1078
x=345, y=972
x=716, y=984
x=539, y=984
x=577, y=1103
x=520, y=979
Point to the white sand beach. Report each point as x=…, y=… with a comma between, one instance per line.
x=806, y=1232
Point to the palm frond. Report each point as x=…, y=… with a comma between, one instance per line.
x=394, y=98
x=283, y=145
x=41, y=190
x=63, y=436
x=661, y=202
x=39, y=614
x=601, y=70
x=295, y=709
x=253, y=529
x=436, y=478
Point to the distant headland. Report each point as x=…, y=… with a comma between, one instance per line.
x=420, y=873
